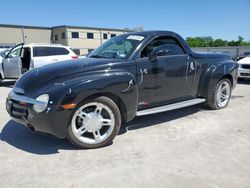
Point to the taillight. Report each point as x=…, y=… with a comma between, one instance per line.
x=74, y=57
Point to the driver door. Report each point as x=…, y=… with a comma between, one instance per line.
x=167, y=79
x=12, y=63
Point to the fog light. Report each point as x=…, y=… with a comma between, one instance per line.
x=41, y=107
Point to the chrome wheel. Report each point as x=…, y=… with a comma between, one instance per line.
x=93, y=123
x=223, y=94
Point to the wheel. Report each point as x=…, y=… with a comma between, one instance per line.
x=94, y=123
x=220, y=96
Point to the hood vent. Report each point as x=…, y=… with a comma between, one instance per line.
x=18, y=90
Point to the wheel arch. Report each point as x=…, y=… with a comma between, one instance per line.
x=213, y=75
x=229, y=77
x=117, y=100
x=120, y=86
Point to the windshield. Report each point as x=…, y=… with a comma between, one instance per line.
x=120, y=47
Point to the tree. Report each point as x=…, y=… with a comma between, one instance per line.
x=219, y=42
x=210, y=42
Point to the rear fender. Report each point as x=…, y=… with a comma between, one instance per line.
x=214, y=74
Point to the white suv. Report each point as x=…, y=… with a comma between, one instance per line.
x=22, y=58
x=244, y=68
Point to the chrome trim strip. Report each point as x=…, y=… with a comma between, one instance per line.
x=141, y=77
x=170, y=107
x=25, y=99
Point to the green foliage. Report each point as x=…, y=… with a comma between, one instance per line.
x=210, y=42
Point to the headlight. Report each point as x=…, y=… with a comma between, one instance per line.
x=41, y=107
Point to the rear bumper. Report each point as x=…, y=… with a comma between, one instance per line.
x=52, y=121
x=243, y=73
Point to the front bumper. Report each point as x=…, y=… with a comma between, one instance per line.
x=243, y=73
x=53, y=120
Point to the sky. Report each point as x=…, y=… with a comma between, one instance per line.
x=226, y=19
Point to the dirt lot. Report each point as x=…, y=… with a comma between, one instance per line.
x=191, y=147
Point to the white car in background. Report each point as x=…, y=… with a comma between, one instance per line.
x=3, y=54
x=22, y=58
x=244, y=68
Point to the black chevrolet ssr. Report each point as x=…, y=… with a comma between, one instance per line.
x=134, y=74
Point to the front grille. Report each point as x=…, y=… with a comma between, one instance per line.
x=245, y=74
x=245, y=66
x=18, y=110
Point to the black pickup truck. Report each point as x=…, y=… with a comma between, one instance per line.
x=134, y=74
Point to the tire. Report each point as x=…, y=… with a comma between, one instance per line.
x=215, y=99
x=94, y=123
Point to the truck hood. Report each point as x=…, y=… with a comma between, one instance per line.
x=36, y=77
x=245, y=60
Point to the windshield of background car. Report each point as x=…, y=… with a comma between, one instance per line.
x=120, y=47
x=15, y=52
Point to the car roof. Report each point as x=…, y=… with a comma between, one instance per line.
x=44, y=44
x=159, y=33
x=153, y=32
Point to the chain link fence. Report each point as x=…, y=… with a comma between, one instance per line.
x=234, y=50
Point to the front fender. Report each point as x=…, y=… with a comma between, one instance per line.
x=213, y=74
x=119, y=84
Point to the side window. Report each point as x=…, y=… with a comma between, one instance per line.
x=90, y=35
x=41, y=51
x=15, y=52
x=113, y=35
x=63, y=35
x=60, y=51
x=164, y=43
x=105, y=36
x=77, y=51
x=173, y=49
x=75, y=35
x=49, y=51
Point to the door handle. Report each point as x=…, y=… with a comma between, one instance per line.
x=145, y=71
x=192, y=66
x=54, y=59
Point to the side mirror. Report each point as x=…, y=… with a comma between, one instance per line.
x=152, y=57
x=3, y=55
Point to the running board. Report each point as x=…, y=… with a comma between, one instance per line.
x=170, y=107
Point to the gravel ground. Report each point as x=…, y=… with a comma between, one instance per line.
x=191, y=147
